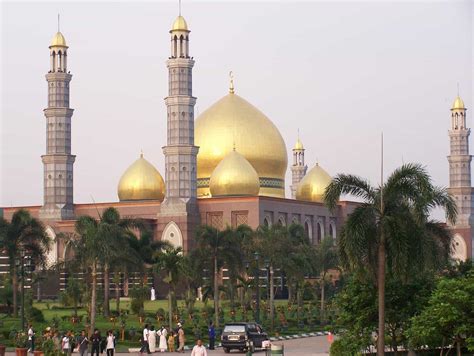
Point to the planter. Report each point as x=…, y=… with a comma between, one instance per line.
x=20, y=351
x=38, y=353
x=2, y=350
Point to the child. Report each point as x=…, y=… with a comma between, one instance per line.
x=171, y=342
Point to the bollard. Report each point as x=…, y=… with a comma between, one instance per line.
x=277, y=350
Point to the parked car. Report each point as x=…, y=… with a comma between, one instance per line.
x=242, y=336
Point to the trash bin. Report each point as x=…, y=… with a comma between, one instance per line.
x=275, y=350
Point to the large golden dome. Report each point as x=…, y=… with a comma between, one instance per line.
x=234, y=175
x=233, y=120
x=141, y=181
x=58, y=40
x=313, y=185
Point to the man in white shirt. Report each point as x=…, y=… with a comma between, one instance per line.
x=31, y=338
x=199, y=349
x=145, y=345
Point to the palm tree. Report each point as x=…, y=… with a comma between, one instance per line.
x=98, y=241
x=170, y=260
x=391, y=227
x=217, y=247
x=119, y=230
x=276, y=244
x=326, y=259
x=27, y=234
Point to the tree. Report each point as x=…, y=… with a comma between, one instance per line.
x=96, y=239
x=216, y=247
x=326, y=259
x=122, y=254
x=170, y=260
x=356, y=304
x=448, y=319
x=282, y=248
x=391, y=227
x=27, y=234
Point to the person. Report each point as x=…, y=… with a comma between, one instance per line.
x=145, y=346
x=212, y=335
x=66, y=344
x=57, y=342
x=152, y=339
x=110, y=343
x=31, y=338
x=199, y=349
x=171, y=341
x=95, y=339
x=181, y=338
x=83, y=343
x=152, y=294
x=162, y=333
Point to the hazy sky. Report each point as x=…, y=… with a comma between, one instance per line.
x=341, y=72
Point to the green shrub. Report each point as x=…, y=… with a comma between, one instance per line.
x=35, y=315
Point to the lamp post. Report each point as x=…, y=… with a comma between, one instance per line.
x=257, y=286
x=22, y=266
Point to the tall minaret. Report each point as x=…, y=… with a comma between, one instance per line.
x=298, y=169
x=58, y=161
x=180, y=152
x=460, y=173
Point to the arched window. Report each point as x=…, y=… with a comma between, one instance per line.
x=331, y=231
x=181, y=46
x=265, y=222
x=319, y=232
x=308, y=231
x=175, y=46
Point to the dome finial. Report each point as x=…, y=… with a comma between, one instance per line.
x=59, y=29
x=141, y=153
x=231, y=84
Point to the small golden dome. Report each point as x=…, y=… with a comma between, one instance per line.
x=313, y=185
x=180, y=24
x=141, y=181
x=234, y=175
x=58, y=40
x=298, y=145
x=458, y=104
x=233, y=119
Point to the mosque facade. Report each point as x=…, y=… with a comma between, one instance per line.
x=225, y=167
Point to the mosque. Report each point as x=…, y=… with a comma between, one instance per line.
x=225, y=167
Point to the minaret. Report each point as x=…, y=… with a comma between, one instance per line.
x=298, y=169
x=58, y=161
x=460, y=173
x=180, y=152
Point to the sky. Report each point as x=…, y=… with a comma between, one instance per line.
x=340, y=72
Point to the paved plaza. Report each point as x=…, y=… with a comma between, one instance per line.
x=310, y=346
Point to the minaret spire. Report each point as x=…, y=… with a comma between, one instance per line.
x=298, y=169
x=460, y=180
x=231, y=82
x=180, y=204
x=59, y=29
x=58, y=161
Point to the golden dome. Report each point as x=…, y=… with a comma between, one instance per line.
x=458, y=103
x=141, y=181
x=58, y=40
x=298, y=145
x=234, y=175
x=180, y=24
x=313, y=185
x=234, y=120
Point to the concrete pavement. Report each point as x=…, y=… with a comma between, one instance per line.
x=309, y=346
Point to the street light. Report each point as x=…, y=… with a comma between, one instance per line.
x=257, y=286
x=22, y=266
